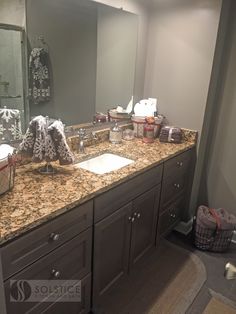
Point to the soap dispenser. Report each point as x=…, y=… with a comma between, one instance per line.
x=115, y=135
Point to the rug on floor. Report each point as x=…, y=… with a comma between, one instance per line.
x=165, y=283
x=216, y=306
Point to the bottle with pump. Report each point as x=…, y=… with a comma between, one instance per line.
x=115, y=135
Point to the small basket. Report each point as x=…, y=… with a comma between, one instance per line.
x=215, y=240
x=139, y=123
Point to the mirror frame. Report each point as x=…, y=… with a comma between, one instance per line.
x=24, y=71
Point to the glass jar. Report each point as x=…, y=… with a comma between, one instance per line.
x=148, y=133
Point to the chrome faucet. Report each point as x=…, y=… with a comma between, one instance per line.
x=83, y=136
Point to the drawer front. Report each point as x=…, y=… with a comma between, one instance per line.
x=82, y=307
x=30, y=247
x=169, y=218
x=110, y=201
x=177, y=165
x=70, y=261
x=172, y=188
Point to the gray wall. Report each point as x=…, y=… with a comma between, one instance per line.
x=181, y=43
x=70, y=30
x=116, y=52
x=218, y=184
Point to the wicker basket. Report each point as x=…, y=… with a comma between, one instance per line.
x=7, y=173
x=215, y=240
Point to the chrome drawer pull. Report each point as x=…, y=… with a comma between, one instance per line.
x=56, y=273
x=179, y=163
x=177, y=185
x=54, y=236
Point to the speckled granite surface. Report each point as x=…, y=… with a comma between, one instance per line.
x=36, y=198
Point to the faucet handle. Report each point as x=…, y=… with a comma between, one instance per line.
x=94, y=135
x=82, y=132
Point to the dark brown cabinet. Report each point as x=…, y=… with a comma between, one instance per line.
x=37, y=243
x=111, y=250
x=175, y=192
x=145, y=213
x=99, y=242
x=39, y=256
x=121, y=239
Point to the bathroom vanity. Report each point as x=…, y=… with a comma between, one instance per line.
x=92, y=228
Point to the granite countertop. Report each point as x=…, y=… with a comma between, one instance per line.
x=37, y=198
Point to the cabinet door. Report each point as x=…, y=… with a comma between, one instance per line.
x=111, y=250
x=145, y=211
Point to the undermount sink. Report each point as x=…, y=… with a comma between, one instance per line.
x=104, y=163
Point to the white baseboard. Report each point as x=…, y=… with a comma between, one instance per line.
x=184, y=227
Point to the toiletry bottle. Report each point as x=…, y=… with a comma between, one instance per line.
x=115, y=135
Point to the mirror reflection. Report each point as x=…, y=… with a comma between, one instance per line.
x=81, y=58
x=11, y=84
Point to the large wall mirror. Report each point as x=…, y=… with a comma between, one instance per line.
x=87, y=51
x=12, y=103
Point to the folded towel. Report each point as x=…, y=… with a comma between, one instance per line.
x=56, y=130
x=33, y=144
x=39, y=76
x=206, y=220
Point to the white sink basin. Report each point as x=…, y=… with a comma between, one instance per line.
x=104, y=163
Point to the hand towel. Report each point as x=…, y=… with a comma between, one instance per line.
x=39, y=76
x=10, y=124
x=206, y=220
x=33, y=144
x=64, y=155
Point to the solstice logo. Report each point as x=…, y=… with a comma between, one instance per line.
x=20, y=290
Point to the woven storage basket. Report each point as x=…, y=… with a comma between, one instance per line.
x=7, y=170
x=215, y=240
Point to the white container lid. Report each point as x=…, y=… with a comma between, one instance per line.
x=5, y=150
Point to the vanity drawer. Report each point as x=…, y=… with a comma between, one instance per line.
x=172, y=188
x=170, y=217
x=177, y=165
x=112, y=200
x=31, y=246
x=82, y=307
x=71, y=261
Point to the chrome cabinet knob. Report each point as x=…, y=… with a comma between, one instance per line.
x=56, y=273
x=54, y=236
x=172, y=215
x=138, y=215
x=131, y=219
x=177, y=185
x=179, y=163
